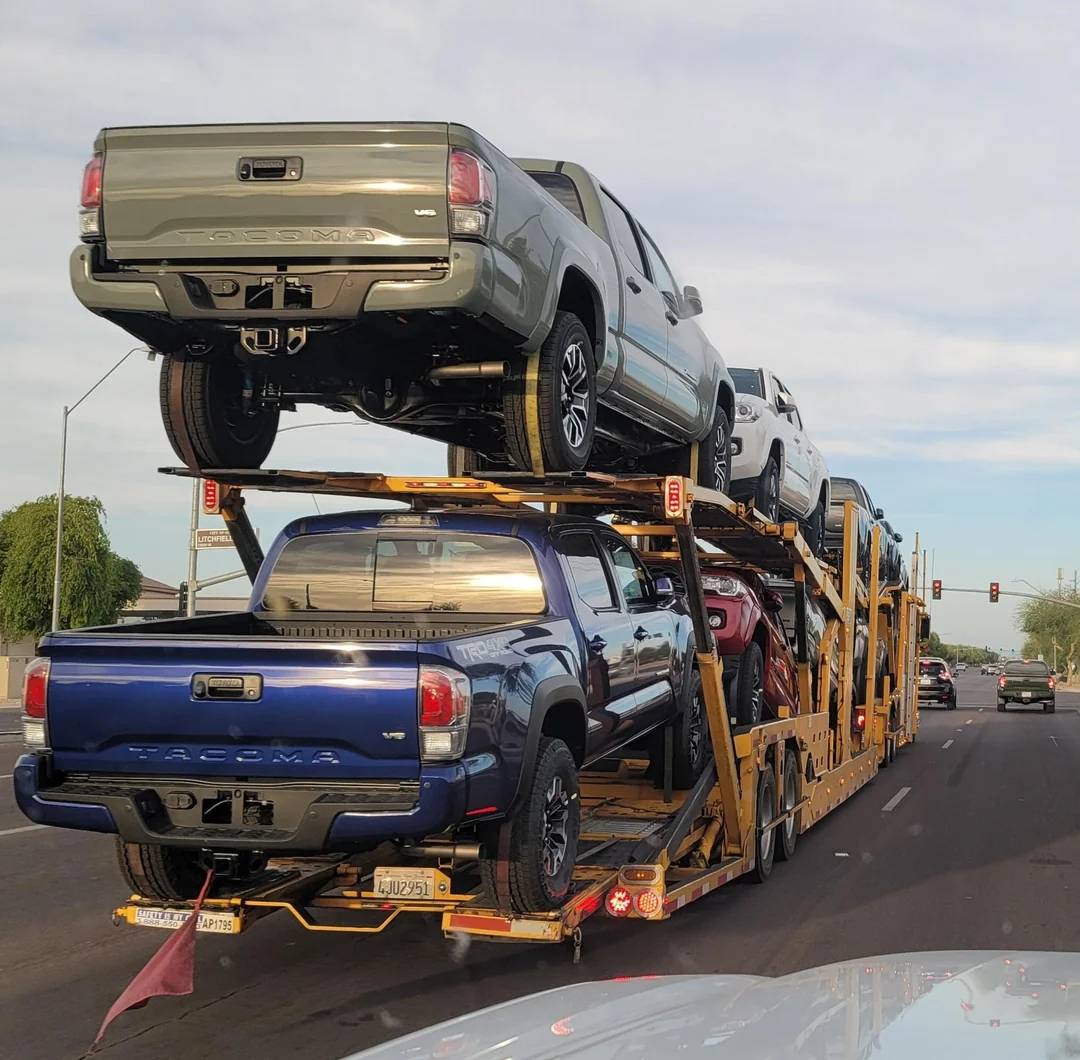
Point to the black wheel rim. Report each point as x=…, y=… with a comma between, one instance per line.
x=757, y=695
x=556, y=817
x=720, y=457
x=574, y=400
x=695, y=728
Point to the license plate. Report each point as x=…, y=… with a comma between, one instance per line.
x=411, y=883
x=212, y=923
x=1025, y=695
x=925, y=681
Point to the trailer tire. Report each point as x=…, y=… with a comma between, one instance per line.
x=169, y=874
x=567, y=421
x=789, y=830
x=750, y=686
x=765, y=811
x=202, y=411
x=529, y=859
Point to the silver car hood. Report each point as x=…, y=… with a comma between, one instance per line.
x=915, y=1006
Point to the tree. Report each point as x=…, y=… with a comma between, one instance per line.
x=95, y=582
x=1047, y=623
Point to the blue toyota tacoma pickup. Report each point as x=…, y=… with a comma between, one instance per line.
x=398, y=676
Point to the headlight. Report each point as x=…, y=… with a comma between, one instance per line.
x=746, y=413
x=723, y=585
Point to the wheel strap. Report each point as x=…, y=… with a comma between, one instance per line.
x=532, y=413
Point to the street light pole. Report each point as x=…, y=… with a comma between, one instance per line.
x=58, y=558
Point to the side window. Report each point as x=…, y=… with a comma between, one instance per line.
x=661, y=274
x=778, y=389
x=621, y=228
x=629, y=573
x=587, y=570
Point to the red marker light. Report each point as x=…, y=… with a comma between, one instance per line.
x=618, y=902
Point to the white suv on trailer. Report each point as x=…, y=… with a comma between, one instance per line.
x=774, y=463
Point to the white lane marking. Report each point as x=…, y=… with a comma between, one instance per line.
x=1053, y=740
x=969, y=721
x=947, y=744
x=25, y=828
x=6, y=776
x=895, y=800
x=980, y=710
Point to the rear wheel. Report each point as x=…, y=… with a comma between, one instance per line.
x=766, y=836
x=1001, y=706
x=691, y=737
x=814, y=527
x=714, y=454
x=1049, y=708
x=789, y=830
x=566, y=401
x=211, y=412
x=529, y=860
x=749, y=686
x=767, y=491
x=168, y=874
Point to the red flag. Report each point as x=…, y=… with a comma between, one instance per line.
x=169, y=973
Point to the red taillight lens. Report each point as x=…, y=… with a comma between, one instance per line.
x=445, y=697
x=91, y=182
x=466, y=179
x=1050, y=682
x=36, y=688
x=860, y=718
x=437, y=698
x=618, y=902
x=1001, y=681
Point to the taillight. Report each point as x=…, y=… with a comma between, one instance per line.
x=445, y=698
x=470, y=193
x=860, y=718
x=35, y=702
x=1001, y=681
x=945, y=675
x=618, y=901
x=90, y=199
x=1050, y=683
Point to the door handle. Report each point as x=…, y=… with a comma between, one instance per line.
x=597, y=644
x=633, y=285
x=671, y=317
x=641, y=633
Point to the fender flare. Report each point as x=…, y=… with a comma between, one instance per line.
x=561, y=688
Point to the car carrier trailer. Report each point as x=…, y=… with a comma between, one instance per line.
x=644, y=851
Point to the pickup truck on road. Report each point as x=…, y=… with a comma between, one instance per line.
x=398, y=677
x=407, y=272
x=1027, y=681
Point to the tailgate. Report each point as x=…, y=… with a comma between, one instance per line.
x=282, y=192
x=130, y=705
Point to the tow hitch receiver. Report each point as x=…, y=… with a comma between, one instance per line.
x=260, y=342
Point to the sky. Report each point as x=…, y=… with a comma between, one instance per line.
x=877, y=200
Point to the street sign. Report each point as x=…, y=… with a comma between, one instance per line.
x=216, y=538
x=211, y=497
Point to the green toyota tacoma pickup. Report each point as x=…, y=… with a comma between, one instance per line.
x=1026, y=682
x=409, y=273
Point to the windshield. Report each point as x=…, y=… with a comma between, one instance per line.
x=372, y=571
x=748, y=381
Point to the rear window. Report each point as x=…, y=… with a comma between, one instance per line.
x=931, y=666
x=419, y=572
x=748, y=381
x=561, y=188
x=843, y=489
x=1027, y=669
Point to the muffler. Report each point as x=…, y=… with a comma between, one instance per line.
x=475, y=370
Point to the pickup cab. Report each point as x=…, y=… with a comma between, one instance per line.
x=1027, y=681
x=397, y=677
x=409, y=273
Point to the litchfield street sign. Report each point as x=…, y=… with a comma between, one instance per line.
x=214, y=538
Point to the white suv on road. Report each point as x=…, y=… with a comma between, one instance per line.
x=774, y=463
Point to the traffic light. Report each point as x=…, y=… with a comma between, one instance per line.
x=994, y=590
x=937, y=588
x=182, y=599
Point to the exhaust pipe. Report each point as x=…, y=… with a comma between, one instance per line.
x=475, y=370
x=463, y=851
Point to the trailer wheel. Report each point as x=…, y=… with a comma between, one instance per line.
x=529, y=859
x=749, y=686
x=566, y=399
x=789, y=830
x=166, y=873
x=765, y=836
x=208, y=419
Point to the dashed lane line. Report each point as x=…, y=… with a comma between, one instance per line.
x=895, y=800
x=947, y=744
x=17, y=831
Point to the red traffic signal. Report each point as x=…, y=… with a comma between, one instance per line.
x=936, y=589
x=211, y=497
x=994, y=591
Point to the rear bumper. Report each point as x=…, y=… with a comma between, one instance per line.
x=466, y=282
x=939, y=694
x=1031, y=697
x=306, y=817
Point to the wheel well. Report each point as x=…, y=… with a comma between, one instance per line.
x=777, y=450
x=578, y=296
x=761, y=639
x=564, y=721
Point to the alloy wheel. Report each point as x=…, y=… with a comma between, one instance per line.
x=574, y=400
x=766, y=812
x=695, y=728
x=556, y=814
x=790, y=788
x=720, y=457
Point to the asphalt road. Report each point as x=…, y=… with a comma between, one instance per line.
x=978, y=851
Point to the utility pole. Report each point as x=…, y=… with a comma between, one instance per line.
x=193, y=552
x=1060, y=579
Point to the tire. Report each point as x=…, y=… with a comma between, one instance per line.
x=168, y=874
x=767, y=491
x=566, y=395
x=1049, y=708
x=749, y=690
x=789, y=830
x=1001, y=706
x=951, y=705
x=202, y=411
x=691, y=738
x=537, y=882
x=714, y=454
x=765, y=812
x=462, y=461
x=813, y=527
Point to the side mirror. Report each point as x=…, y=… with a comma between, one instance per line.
x=665, y=588
x=879, y=513
x=898, y=538
x=772, y=601
x=692, y=297
x=783, y=405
